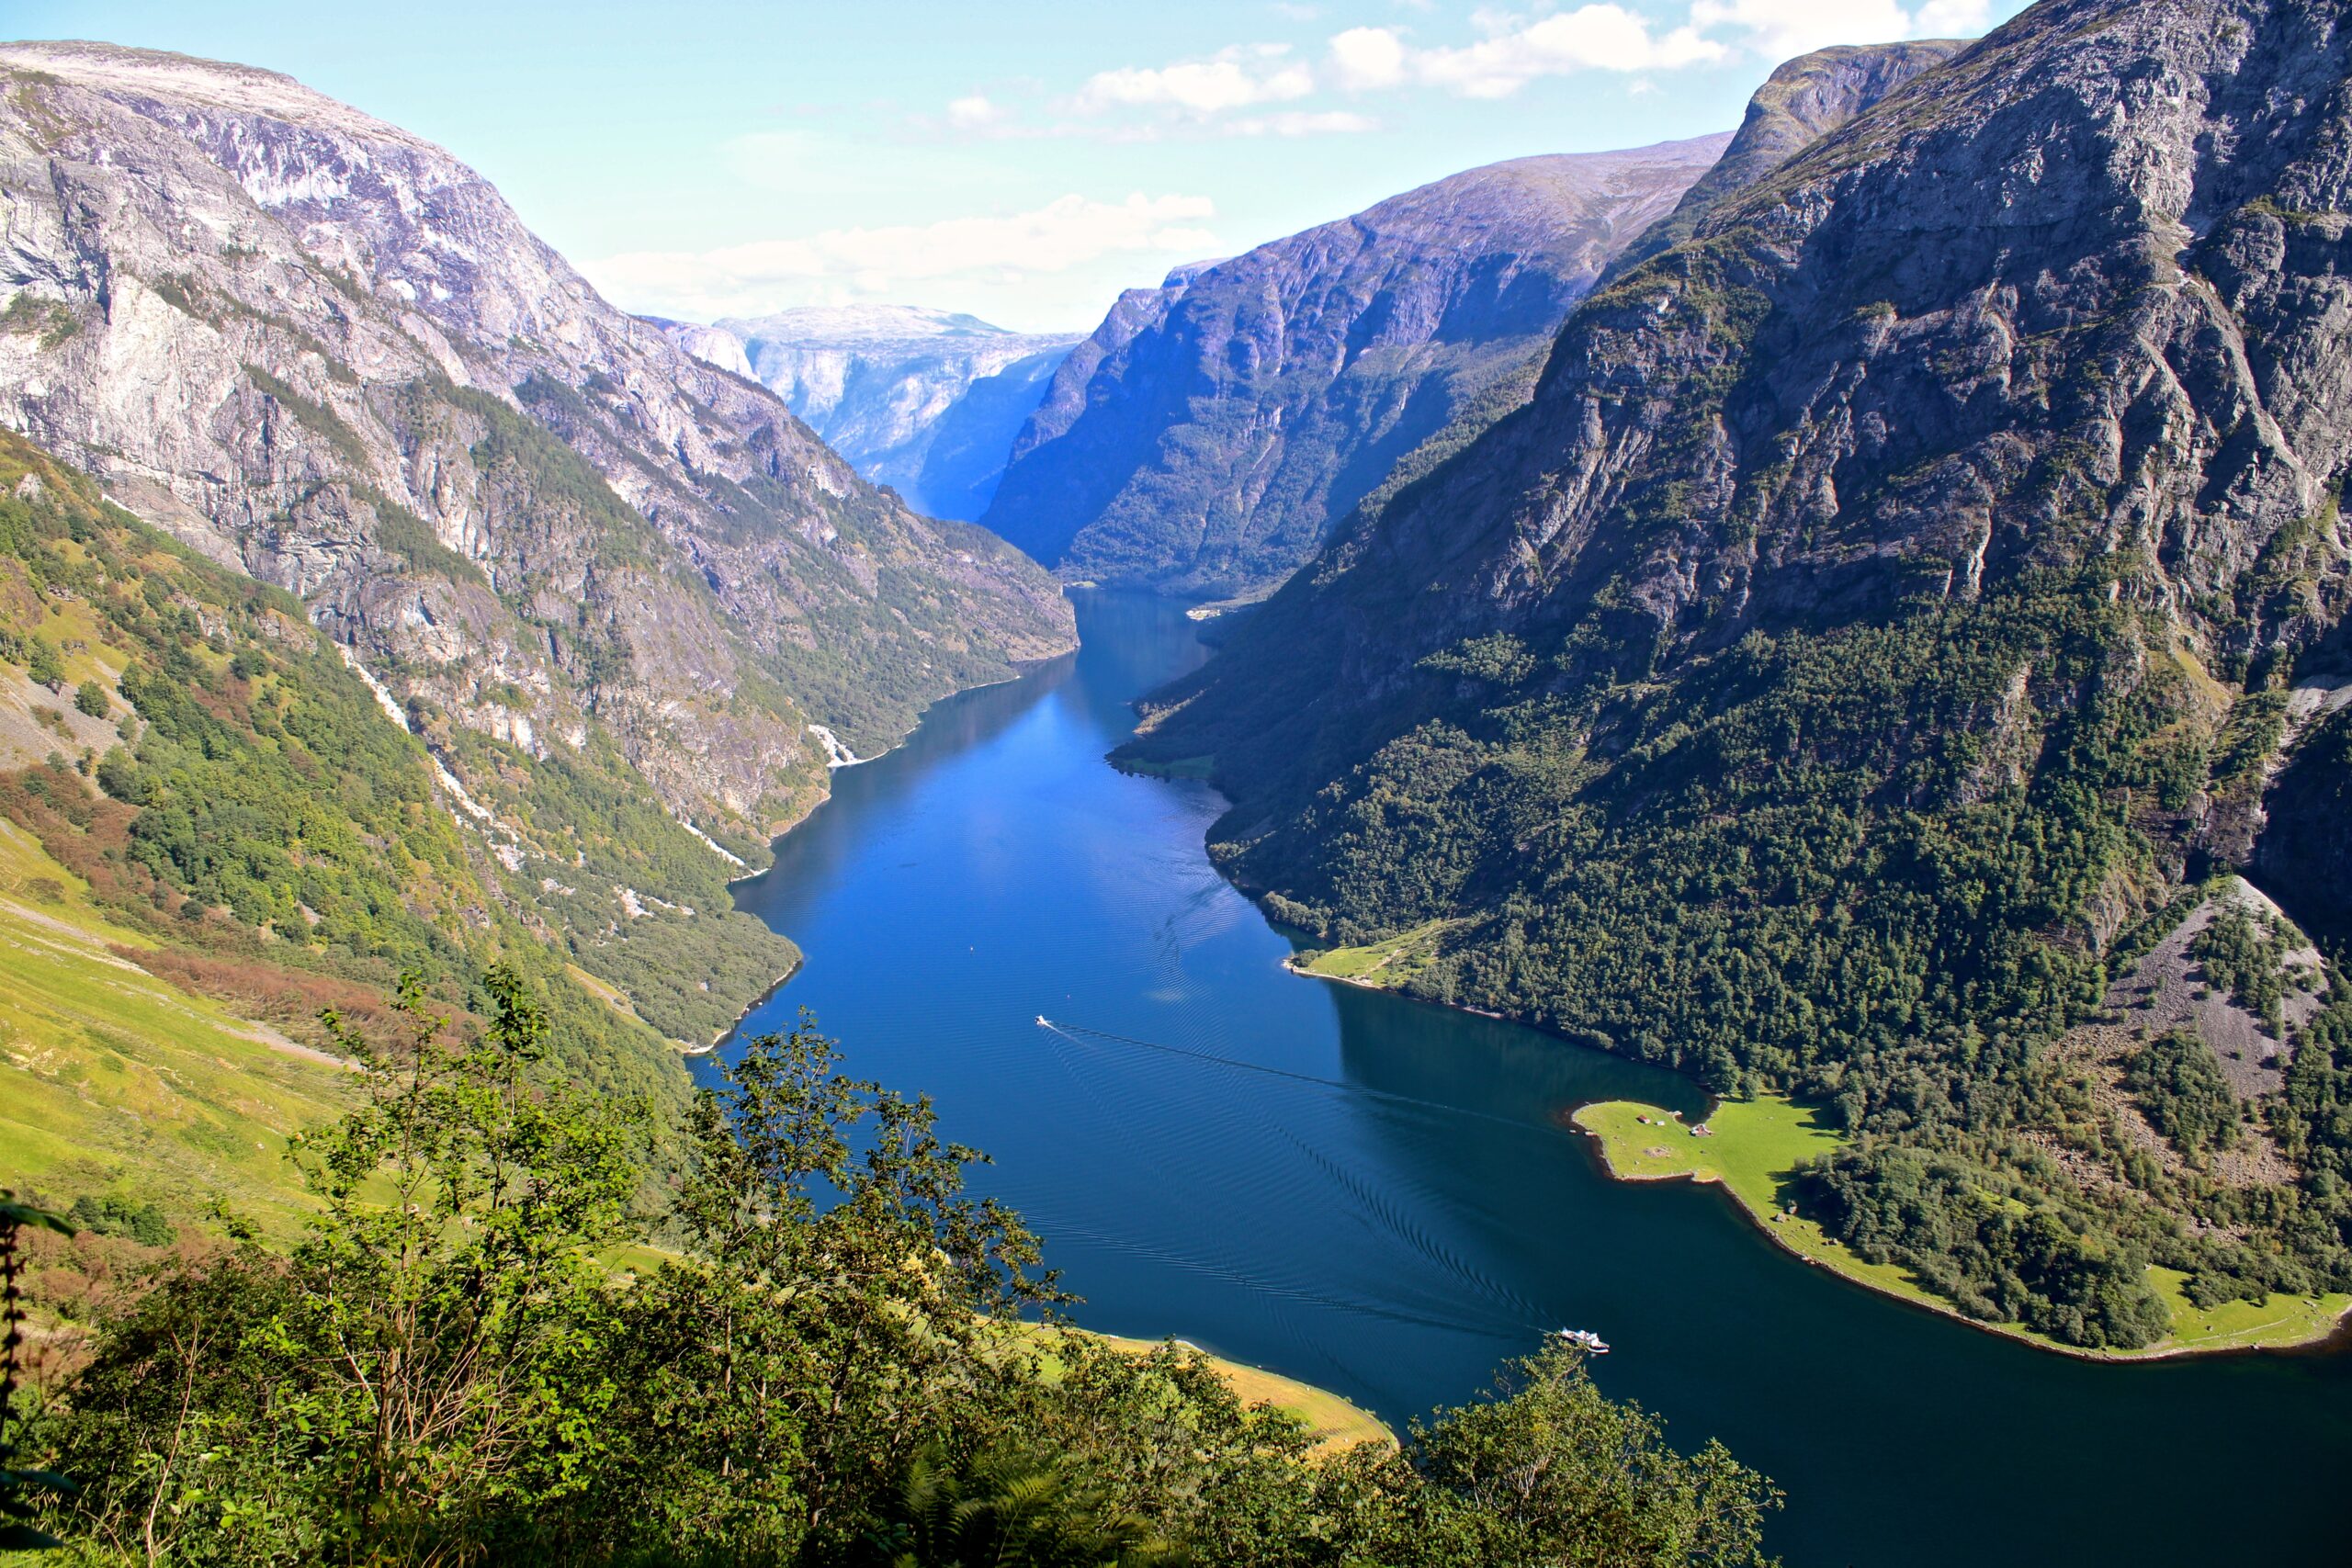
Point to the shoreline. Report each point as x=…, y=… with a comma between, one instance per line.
x=1293, y=967
x=1022, y=670
x=2339, y=1328
x=754, y=1005
x=2335, y=1336
x=1336, y=1421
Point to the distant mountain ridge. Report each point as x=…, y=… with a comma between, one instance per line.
x=926, y=401
x=1207, y=436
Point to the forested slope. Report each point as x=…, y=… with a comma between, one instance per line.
x=199, y=786
x=1879, y=619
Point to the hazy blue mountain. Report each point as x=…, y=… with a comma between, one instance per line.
x=1209, y=433
x=925, y=401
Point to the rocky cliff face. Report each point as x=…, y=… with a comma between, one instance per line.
x=317, y=347
x=1803, y=99
x=2303, y=853
x=1888, y=602
x=2070, y=299
x=1207, y=436
x=923, y=401
x=1799, y=103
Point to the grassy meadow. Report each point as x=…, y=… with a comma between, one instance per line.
x=1753, y=1151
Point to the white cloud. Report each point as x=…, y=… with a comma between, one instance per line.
x=1783, y=27
x=1196, y=87
x=1231, y=80
x=1366, y=58
x=883, y=261
x=1779, y=28
x=1507, y=51
x=1955, y=18
x=1298, y=123
x=972, y=112
x=1517, y=50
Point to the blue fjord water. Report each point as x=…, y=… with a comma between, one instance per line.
x=1398, y=1237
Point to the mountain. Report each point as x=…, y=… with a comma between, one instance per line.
x=1803, y=100
x=1207, y=436
x=1884, y=616
x=313, y=343
x=614, y=591
x=923, y=401
x=214, y=828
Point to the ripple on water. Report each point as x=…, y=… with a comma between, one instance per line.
x=1395, y=1239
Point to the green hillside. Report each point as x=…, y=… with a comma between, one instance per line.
x=212, y=829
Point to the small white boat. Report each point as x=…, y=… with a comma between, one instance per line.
x=1041, y=1021
x=1584, y=1339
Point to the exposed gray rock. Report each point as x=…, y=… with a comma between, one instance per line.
x=2167, y=990
x=311, y=344
x=1803, y=100
x=1210, y=432
x=2077, y=294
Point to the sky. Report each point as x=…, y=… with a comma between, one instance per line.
x=1020, y=160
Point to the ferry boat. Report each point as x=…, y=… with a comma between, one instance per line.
x=1584, y=1339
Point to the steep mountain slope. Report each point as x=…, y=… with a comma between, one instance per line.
x=1210, y=433
x=2303, y=852
x=1879, y=616
x=1803, y=100
x=923, y=400
x=209, y=828
x=314, y=345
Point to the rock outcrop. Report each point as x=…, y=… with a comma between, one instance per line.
x=1799, y=103
x=316, y=346
x=2055, y=302
x=1207, y=436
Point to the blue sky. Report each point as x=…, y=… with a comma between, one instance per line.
x=1021, y=160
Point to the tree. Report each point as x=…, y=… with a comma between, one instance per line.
x=840, y=1304
x=19, y=1487
x=1016, y=1505
x=91, y=698
x=1554, y=1473
x=43, y=664
x=825, y=1371
x=425, y=1367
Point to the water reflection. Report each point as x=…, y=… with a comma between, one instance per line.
x=994, y=869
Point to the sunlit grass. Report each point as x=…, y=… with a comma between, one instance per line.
x=111, y=1079
x=1335, y=1424
x=1754, y=1153
x=1389, y=961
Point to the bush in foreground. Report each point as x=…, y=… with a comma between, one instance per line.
x=468, y=1359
